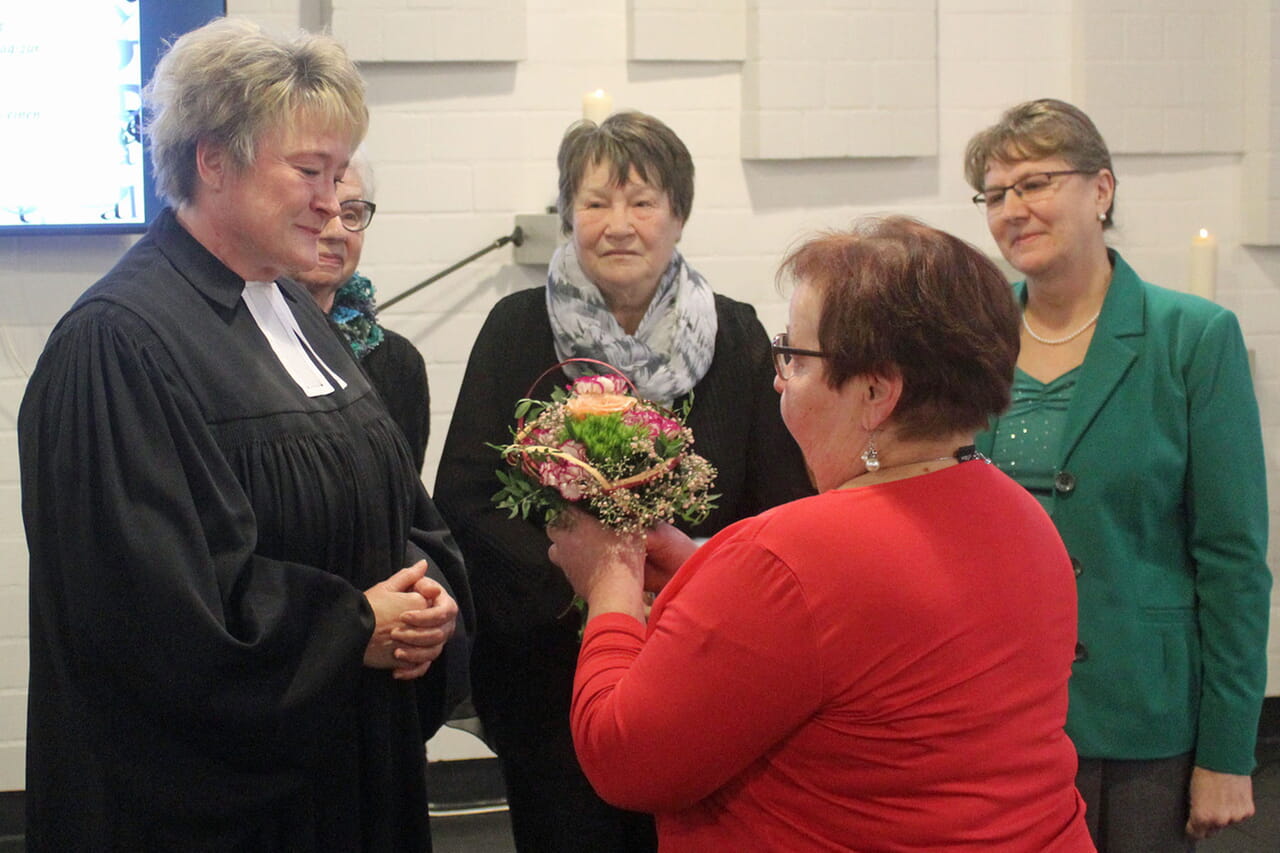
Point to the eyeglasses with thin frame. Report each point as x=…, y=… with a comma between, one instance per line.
x=356, y=214
x=1030, y=189
x=783, y=353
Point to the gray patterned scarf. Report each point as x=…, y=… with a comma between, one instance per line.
x=672, y=347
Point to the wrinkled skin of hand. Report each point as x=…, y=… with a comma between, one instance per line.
x=604, y=567
x=666, y=549
x=413, y=618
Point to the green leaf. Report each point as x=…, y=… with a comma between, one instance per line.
x=529, y=409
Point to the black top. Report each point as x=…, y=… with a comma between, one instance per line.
x=399, y=373
x=200, y=534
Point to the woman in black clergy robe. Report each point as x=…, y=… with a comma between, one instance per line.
x=240, y=591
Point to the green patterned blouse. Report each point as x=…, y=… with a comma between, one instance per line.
x=1028, y=435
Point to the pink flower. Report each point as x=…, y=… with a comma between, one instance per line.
x=541, y=436
x=658, y=423
x=562, y=476
x=565, y=477
x=605, y=384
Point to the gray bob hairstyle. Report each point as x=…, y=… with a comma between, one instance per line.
x=625, y=141
x=229, y=82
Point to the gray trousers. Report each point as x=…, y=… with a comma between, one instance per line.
x=1137, y=806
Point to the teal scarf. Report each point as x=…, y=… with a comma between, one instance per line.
x=355, y=311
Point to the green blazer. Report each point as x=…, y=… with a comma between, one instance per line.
x=1160, y=496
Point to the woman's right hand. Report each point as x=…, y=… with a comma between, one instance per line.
x=603, y=566
x=666, y=548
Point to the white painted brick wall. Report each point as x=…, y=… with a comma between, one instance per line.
x=687, y=30
x=463, y=147
x=430, y=30
x=1162, y=78
x=1262, y=125
x=280, y=16
x=855, y=79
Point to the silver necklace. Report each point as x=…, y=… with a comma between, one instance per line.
x=1053, y=342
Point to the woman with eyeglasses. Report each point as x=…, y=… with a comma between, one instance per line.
x=882, y=666
x=393, y=364
x=618, y=291
x=242, y=598
x=1134, y=423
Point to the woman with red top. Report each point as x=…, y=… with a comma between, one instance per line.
x=882, y=666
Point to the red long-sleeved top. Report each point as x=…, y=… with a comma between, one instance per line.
x=881, y=668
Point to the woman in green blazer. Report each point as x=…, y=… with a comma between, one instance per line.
x=1134, y=422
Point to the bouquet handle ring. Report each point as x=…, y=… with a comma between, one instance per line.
x=578, y=360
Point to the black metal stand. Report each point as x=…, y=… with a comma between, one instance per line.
x=516, y=237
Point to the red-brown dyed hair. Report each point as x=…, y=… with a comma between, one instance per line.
x=899, y=298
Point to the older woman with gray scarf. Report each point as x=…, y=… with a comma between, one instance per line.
x=619, y=292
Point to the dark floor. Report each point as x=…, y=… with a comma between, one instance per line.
x=491, y=832
x=487, y=828
x=477, y=833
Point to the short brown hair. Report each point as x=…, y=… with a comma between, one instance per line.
x=1035, y=130
x=230, y=82
x=626, y=141
x=901, y=298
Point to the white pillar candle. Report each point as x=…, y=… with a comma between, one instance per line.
x=1204, y=264
x=597, y=105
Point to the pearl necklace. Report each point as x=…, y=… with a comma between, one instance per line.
x=1053, y=342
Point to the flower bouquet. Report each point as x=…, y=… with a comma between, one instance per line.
x=597, y=446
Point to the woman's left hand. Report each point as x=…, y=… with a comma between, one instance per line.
x=1217, y=801
x=606, y=568
x=666, y=549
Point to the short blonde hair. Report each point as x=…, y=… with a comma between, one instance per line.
x=1036, y=130
x=229, y=82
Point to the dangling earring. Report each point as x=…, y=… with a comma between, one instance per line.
x=871, y=456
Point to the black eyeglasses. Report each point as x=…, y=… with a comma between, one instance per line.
x=782, y=355
x=356, y=214
x=1029, y=189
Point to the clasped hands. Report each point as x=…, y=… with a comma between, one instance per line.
x=413, y=618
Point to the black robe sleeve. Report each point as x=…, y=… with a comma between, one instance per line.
x=447, y=683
